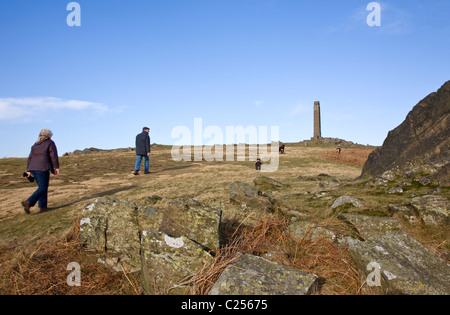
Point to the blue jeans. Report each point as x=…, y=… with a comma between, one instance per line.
x=139, y=161
x=41, y=194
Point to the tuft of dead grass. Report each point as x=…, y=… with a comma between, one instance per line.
x=351, y=157
x=40, y=269
x=332, y=264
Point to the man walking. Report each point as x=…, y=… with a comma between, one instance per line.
x=142, y=150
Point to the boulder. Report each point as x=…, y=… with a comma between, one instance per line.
x=433, y=209
x=346, y=199
x=110, y=225
x=366, y=226
x=177, y=238
x=266, y=183
x=422, y=139
x=328, y=184
x=197, y=221
x=252, y=275
x=395, y=190
x=250, y=197
x=167, y=261
x=168, y=240
x=405, y=212
x=405, y=266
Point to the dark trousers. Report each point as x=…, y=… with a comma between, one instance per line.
x=41, y=194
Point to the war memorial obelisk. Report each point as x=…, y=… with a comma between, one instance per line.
x=317, y=126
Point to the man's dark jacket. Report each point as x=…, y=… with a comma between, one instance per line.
x=142, y=143
x=43, y=157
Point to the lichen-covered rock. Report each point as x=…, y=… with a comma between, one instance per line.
x=366, y=226
x=433, y=209
x=168, y=240
x=346, y=199
x=252, y=275
x=194, y=220
x=167, y=261
x=328, y=184
x=406, y=213
x=184, y=217
x=424, y=137
x=406, y=267
x=305, y=230
x=110, y=225
x=250, y=197
x=266, y=183
x=395, y=190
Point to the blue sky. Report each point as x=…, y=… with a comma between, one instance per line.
x=162, y=64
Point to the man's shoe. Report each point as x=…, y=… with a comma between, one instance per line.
x=146, y=172
x=26, y=206
x=41, y=210
x=136, y=172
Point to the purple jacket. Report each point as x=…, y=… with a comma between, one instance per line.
x=43, y=157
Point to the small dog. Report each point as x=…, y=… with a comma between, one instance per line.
x=258, y=164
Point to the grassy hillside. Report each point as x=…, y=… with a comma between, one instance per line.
x=35, y=249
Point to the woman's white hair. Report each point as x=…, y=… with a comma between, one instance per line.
x=44, y=134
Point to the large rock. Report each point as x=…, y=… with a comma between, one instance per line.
x=168, y=240
x=177, y=237
x=266, y=183
x=346, y=200
x=423, y=138
x=366, y=226
x=110, y=225
x=405, y=266
x=252, y=275
x=167, y=261
x=433, y=209
x=193, y=219
x=250, y=197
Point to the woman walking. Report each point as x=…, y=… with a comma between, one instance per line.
x=43, y=159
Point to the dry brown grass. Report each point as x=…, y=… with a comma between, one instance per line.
x=331, y=263
x=352, y=157
x=40, y=269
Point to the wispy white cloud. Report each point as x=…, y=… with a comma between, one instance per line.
x=258, y=103
x=300, y=108
x=25, y=107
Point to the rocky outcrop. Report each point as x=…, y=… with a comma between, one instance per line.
x=266, y=183
x=168, y=241
x=401, y=264
x=430, y=210
x=346, y=200
x=252, y=275
x=249, y=197
x=422, y=139
x=391, y=261
x=110, y=225
x=433, y=209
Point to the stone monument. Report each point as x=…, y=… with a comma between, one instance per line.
x=317, y=127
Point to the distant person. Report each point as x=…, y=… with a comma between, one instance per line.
x=338, y=150
x=43, y=159
x=258, y=164
x=143, y=151
x=281, y=150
